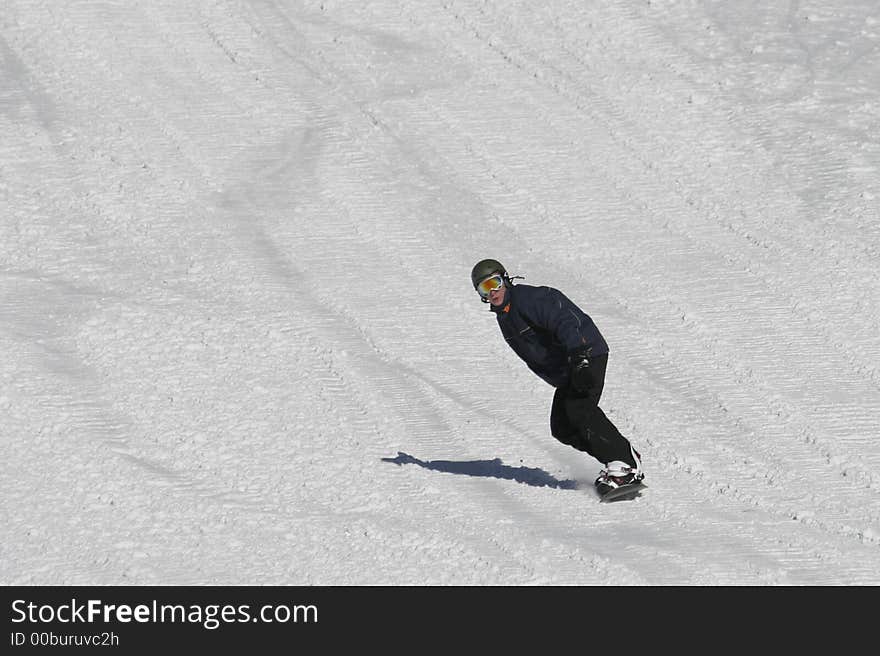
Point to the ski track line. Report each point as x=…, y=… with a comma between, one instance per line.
x=97, y=404
x=69, y=391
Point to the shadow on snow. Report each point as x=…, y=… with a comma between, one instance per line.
x=488, y=469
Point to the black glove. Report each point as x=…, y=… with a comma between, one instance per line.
x=580, y=376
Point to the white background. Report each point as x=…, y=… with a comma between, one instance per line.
x=239, y=341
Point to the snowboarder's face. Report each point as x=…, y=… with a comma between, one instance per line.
x=493, y=289
x=496, y=296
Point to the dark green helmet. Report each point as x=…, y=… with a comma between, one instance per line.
x=485, y=268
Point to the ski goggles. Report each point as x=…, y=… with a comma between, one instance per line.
x=490, y=284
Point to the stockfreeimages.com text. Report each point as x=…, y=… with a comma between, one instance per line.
x=210, y=616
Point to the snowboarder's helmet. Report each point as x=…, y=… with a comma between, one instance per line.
x=485, y=268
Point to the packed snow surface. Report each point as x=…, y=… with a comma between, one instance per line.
x=240, y=344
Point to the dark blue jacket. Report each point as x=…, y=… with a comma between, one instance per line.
x=543, y=327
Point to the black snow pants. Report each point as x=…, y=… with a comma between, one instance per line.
x=577, y=420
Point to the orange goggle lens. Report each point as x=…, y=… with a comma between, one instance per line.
x=490, y=285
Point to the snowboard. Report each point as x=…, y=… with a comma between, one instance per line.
x=623, y=493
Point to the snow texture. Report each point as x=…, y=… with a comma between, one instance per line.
x=240, y=341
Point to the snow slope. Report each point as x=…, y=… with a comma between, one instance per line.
x=240, y=341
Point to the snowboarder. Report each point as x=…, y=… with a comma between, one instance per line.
x=562, y=345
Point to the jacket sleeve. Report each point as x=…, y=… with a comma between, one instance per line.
x=554, y=312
